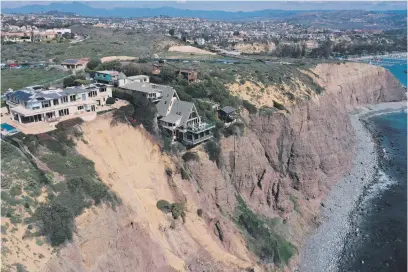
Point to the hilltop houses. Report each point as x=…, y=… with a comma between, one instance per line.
x=188, y=74
x=75, y=64
x=32, y=105
x=176, y=117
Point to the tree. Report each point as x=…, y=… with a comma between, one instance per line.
x=236, y=33
x=68, y=35
x=167, y=74
x=93, y=63
x=68, y=81
x=303, y=53
x=110, y=101
x=327, y=49
x=171, y=32
x=111, y=65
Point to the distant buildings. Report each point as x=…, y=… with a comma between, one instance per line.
x=75, y=64
x=25, y=34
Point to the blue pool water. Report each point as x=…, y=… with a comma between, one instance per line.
x=7, y=127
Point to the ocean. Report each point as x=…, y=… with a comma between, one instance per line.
x=378, y=241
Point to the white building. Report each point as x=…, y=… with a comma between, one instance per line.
x=32, y=105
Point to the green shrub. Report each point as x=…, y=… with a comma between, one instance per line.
x=262, y=238
x=55, y=145
x=57, y=222
x=89, y=187
x=167, y=141
x=190, y=156
x=69, y=123
x=164, y=206
x=234, y=129
x=242, y=81
x=319, y=90
x=200, y=212
x=15, y=190
x=20, y=268
x=279, y=106
x=140, y=111
x=178, y=210
x=250, y=107
x=295, y=203
x=214, y=151
x=39, y=242
x=110, y=101
x=185, y=173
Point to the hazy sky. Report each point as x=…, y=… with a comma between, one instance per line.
x=234, y=5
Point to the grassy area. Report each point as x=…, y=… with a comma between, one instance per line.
x=70, y=187
x=101, y=43
x=262, y=236
x=17, y=79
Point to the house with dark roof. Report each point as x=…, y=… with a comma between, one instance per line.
x=75, y=64
x=32, y=105
x=227, y=114
x=179, y=119
x=151, y=91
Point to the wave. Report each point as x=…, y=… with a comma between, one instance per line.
x=381, y=183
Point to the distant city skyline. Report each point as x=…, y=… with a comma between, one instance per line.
x=233, y=6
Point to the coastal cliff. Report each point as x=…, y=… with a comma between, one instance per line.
x=277, y=171
x=282, y=166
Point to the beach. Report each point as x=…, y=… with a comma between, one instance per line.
x=323, y=249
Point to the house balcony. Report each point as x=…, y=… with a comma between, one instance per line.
x=194, y=141
x=28, y=112
x=196, y=135
x=200, y=128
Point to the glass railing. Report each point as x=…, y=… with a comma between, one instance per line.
x=201, y=127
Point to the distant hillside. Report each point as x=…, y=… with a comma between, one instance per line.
x=85, y=10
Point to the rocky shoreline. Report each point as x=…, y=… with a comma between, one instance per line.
x=323, y=249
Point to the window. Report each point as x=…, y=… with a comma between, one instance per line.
x=55, y=102
x=80, y=107
x=64, y=99
x=45, y=104
x=102, y=90
x=63, y=112
x=72, y=98
x=92, y=93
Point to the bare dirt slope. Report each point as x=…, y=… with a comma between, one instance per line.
x=189, y=49
x=252, y=48
x=133, y=166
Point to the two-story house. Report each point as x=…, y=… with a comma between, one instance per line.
x=177, y=118
x=38, y=105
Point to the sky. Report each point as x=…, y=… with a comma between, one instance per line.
x=234, y=5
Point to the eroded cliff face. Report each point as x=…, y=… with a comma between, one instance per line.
x=283, y=165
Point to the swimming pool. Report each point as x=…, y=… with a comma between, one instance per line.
x=8, y=128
